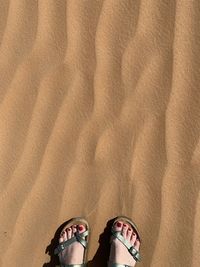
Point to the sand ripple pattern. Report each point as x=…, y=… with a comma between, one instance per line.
x=100, y=116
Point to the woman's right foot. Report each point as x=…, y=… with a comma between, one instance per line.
x=73, y=254
x=119, y=253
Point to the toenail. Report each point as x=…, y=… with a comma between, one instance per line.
x=119, y=224
x=125, y=225
x=129, y=229
x=80, y=227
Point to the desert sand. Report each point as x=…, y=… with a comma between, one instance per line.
x=99, y=117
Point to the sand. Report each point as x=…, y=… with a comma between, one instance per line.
x=99, y=117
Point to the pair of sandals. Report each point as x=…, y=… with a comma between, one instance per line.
x=83, y=240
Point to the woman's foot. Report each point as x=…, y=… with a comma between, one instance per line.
x=119, y=253
x=73, y=254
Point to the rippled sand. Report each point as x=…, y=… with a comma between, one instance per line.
x=100, y=116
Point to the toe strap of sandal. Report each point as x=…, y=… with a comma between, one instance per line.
x=78, y=237
x=132, y=250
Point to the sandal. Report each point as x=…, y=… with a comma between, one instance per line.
x=81, y=238
x=132, y=250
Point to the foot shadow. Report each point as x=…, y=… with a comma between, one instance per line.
x=101, y=257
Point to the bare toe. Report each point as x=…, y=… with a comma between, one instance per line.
x=137, y=244
x=74, y=228
x=63, y=236
x=81, y=228
x=69, y=233
x=129, y=234
x=133, y=238
x=124, y=230
x=118, y=226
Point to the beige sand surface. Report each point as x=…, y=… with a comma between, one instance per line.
x=100, y=116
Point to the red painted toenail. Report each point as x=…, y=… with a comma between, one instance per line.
x=125, y=225
x=129, y=229
x=80, y=227
x=119, y=224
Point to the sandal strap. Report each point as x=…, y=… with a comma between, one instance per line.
x=132, y=250
x=78, y=237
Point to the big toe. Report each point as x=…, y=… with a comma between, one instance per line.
x=118, y=226
x=81, y=228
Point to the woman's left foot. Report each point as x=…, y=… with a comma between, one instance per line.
x=73, y=254
x=119, y=253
